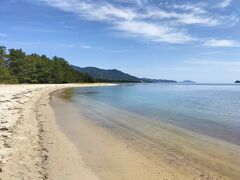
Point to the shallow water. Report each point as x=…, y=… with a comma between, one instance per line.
x=184, y=131
x=212, y=110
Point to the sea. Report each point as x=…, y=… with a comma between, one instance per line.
x=208, y=109
x=184, y=130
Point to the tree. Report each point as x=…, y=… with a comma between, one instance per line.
x=33, y=68
x=5, y=73
x=6, y=76
x=2, y=53
x=16, y=54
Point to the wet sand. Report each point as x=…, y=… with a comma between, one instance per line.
x=133, y=147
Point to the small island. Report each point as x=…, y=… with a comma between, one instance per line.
x=187, y=82
x=237, y=81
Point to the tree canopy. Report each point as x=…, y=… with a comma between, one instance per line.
x=18, y=67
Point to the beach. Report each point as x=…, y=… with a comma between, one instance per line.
x=44, y=135
x=119, y=90
x=31, y=144
x=118, y=143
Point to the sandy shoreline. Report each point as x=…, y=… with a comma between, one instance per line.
x=31, y=145
x=34, y=146
x=121, y=145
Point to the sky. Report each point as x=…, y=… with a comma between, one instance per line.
x=166, y=39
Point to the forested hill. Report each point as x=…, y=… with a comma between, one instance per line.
x=18, y=67
x=146, y=80
x=112, y=75
x=187, y=82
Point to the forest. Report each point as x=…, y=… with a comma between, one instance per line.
x=18, y=67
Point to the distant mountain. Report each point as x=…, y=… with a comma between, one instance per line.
x=238, y=81
x=112, y=75
x=187, y=82
x=146, y=80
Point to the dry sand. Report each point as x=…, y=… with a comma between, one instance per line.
x=31, y=145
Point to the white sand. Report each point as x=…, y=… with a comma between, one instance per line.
x=29, y=136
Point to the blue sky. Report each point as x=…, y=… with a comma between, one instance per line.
x=172, y=39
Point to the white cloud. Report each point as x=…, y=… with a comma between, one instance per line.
x=84, y=46
x=182, y=18
x=98, y=11
x=164, y=23
x=196, y=8
x=224, y=3
x=154, y=32
x=222, y=43
x=3, y=35
x=123, y=19
x=193, y=19
x=141, y=2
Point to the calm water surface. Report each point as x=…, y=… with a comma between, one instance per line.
x=212, y=110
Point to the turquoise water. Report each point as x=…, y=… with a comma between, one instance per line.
x=212, y=110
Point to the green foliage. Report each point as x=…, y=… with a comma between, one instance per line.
x=5, y=73
x=19, y=67
x=113, y=75
x=15, y=54
x=2, y=53
x=6, y=76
